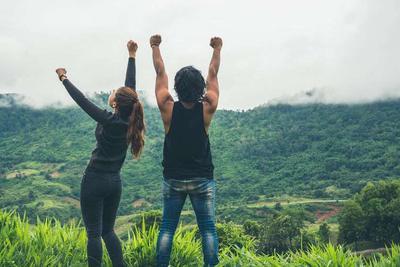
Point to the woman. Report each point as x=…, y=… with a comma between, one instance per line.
x=101, y=183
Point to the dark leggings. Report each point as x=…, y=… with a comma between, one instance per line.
x=100, y=196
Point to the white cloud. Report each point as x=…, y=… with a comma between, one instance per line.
x=272, y=49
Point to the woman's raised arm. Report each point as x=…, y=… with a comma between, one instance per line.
x=130, y=79
x=98, y=114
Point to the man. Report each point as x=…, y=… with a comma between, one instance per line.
x=187, y=162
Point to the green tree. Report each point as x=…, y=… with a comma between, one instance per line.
x=252, y=228
x=281, y=232
x=278, y=206
x=351, y=226
x=324, y=232
x=233, y=235
x=373, y=215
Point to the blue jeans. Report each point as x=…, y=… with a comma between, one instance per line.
x=202, y=196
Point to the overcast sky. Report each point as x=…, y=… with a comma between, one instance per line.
x=343, y=50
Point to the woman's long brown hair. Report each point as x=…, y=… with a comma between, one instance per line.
x=128, y=105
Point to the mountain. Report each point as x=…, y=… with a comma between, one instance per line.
x=11, y=99
x=313, y=150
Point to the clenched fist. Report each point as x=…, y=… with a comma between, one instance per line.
x=61, y=73
x=155, y=40
x=132, y=47
x=216, y=42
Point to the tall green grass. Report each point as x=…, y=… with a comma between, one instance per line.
x=49, y=243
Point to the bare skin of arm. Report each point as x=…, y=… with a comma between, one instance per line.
x=210, y=102
x=165, y=101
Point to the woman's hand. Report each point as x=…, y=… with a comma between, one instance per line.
x=61, y=72
x=132, y=47
x=155, y=40
x=216, y=42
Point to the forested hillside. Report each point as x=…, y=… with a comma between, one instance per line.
x=316, y=151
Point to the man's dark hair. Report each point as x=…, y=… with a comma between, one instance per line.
x=189, y=84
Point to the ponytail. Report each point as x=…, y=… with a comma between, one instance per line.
x=129, y=106
x=136, y=129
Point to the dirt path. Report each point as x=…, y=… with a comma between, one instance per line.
x=293, y=202
x=325, y=215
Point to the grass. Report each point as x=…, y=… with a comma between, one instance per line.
x=23, y=172
x=49, y=243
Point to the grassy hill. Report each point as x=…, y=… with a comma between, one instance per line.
x=312, y=151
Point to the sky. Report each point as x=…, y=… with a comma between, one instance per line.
x=342, y=51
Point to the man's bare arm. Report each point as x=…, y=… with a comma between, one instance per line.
x=212, y=95
x=162, y=94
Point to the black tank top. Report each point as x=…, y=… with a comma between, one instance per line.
x=187, y=151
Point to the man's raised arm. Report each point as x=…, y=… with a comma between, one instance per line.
x=163, y=96
x=212, y=95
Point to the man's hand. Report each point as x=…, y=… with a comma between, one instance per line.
x=132, y=47
x=216, y=42
x=61, y=72
x=155, y=40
